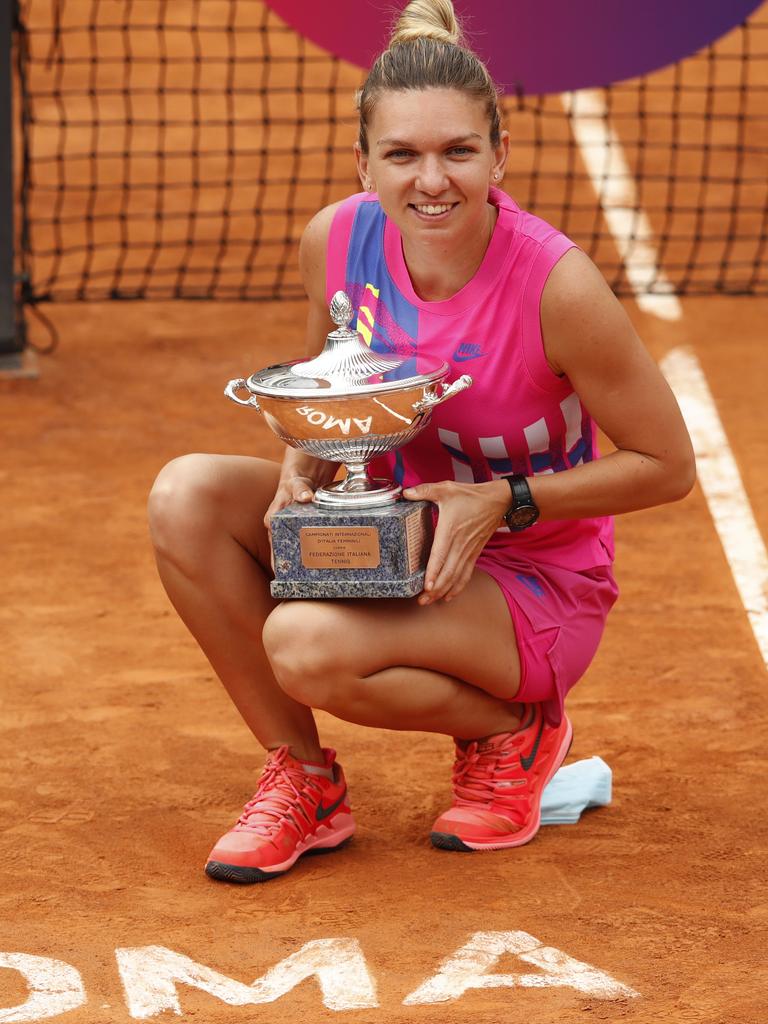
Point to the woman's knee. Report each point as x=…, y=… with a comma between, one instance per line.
x=181, y=500
x=302, y=642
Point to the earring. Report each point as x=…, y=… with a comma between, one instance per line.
x=497, y=175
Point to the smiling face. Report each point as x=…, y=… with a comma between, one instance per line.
x=431, y=162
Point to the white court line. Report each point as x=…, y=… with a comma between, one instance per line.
x=723, y=488
x=603, y=156
x=721, y=482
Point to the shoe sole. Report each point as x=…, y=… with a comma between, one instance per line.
x=222, y=872
x=448, y=841
x=444, y=841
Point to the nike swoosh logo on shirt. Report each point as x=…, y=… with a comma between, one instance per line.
x=466, y=351
x=527, y=762
x=323, y=811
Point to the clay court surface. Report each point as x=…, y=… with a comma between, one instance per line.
x=122, y=759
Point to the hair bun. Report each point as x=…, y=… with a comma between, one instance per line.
x=427, y=19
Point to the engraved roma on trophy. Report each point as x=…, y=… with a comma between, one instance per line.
x=350, y=405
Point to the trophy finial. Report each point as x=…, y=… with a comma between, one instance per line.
x=341, y=309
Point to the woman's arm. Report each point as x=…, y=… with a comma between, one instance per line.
x=312, y=257
x=589, y=337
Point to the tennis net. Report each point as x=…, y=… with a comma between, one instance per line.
x=176, y=150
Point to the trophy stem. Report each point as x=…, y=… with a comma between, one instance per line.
x=358, y=478
x=358, y=489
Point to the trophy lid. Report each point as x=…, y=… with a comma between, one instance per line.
x=346, y=366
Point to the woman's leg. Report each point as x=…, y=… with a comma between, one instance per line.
x=206, y=518
x=449, y=668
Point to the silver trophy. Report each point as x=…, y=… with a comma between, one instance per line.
x=349, y=405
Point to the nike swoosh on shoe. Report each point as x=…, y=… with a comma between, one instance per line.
x=527, y=762
x=324, y=811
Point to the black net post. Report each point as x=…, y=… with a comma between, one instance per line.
x=11, y=336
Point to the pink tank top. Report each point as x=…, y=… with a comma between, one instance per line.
x=518, y=416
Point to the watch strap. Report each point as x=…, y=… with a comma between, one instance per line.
x=521, y=492
x=523, y=512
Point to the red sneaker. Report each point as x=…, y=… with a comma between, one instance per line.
x=291, y=813
x=498, y=783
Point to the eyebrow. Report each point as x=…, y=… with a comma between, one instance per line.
x=409, y=145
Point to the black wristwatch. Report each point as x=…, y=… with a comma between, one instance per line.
x=523, y=511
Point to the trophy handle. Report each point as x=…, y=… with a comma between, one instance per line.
x=238, y=385
x=430, y=400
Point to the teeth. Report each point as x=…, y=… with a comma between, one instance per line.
x=432, y=210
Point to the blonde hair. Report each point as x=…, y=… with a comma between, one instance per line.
x=427, y=51
x=431, y=19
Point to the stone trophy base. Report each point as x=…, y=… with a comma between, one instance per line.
x=375, y=552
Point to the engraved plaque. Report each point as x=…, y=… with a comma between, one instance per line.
x=339, y=547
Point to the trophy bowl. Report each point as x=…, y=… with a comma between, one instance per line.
x=349, y=405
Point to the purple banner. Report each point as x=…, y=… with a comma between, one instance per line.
x=537, y=46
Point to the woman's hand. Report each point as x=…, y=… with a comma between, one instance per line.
x=300, y=477
x=468, y=514
x=290, y=489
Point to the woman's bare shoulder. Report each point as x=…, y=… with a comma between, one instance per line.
x=580, y=315
x=315, y=234
x=312, y=250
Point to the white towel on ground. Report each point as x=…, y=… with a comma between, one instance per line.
x=573, y=788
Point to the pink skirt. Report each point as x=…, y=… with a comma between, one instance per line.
x=558, y=617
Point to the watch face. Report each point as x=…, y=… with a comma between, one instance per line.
x=521, y=517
